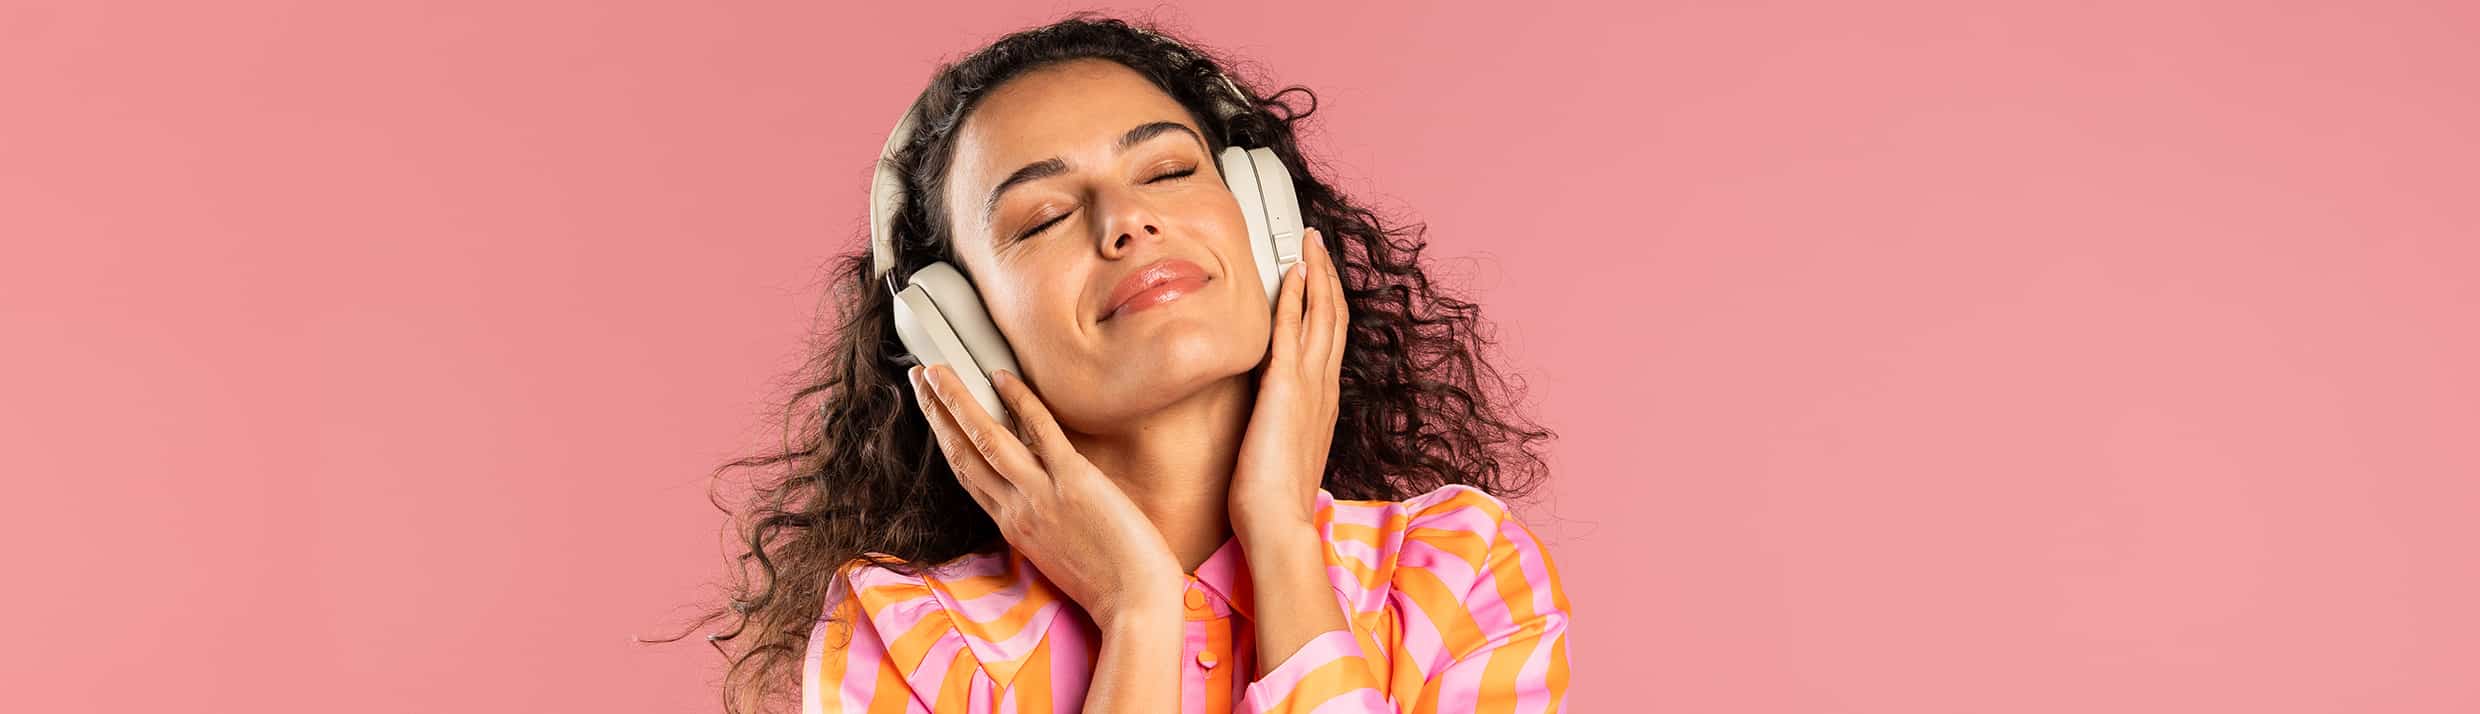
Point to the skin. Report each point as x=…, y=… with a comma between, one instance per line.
x=1145, y=440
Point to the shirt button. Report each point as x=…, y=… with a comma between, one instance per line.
x=1197, y=600
x=1206, y=659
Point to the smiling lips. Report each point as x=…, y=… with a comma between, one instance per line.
x=1159, y=282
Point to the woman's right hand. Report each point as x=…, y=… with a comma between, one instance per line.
x=1072, y=522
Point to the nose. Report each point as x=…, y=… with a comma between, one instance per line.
x=1130, y=223
x=1123, y=241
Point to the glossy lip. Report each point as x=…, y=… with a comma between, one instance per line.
x=1147, y=278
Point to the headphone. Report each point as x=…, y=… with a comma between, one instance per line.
x=940, y=318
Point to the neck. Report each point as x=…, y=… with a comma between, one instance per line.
x=1176, y=464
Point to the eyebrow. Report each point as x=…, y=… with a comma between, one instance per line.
x=1054, y=166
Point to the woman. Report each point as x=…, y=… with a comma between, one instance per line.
x=1207, y=503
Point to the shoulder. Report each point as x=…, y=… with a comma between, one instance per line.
x=988, y=607
x=891, y=597
x=1446, y=516
x=1458, y=566
x=1447, y=540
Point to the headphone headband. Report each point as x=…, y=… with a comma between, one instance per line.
x=887, y=188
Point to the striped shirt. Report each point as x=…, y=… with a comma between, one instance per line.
x=1453, y=606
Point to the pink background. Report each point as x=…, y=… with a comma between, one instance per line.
x=1927, y=357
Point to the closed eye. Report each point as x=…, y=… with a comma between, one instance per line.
x=1046, y=225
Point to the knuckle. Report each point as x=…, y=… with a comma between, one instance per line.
x=978, y=438
x=945, y=441
x=962, y=468
x=1021, y=518
x=963, y=462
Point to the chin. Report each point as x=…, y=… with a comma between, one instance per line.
x=1174, y=360
x=1186, y=351
x=1168, y=367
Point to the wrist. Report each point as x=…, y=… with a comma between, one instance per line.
x=1252, y=519
x=1275, y=537
x=1137, y=617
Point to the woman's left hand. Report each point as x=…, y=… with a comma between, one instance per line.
x=1283, y=454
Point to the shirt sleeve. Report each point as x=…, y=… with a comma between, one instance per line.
x=852, y=667
x=1329, y=674
x=1509, y=640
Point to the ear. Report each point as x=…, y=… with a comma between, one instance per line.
x=940, y=320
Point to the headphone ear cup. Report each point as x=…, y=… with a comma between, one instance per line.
x=1283, y=219
x=1263, y=186
x=1240, y=174
x=940, y=320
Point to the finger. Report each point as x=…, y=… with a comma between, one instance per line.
x=1034, y=419
x=993, y=441
x=1317, y=334
x=1342, y=322
x=1312, y=272
x=1287, y=314
x=971, y=471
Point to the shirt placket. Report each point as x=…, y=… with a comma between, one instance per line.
x=1205, y=628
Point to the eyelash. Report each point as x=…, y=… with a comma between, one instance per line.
x=1046, y=225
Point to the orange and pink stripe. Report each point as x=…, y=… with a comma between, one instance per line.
x=1454, y=606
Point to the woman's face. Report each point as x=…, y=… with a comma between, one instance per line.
x=1088, y=210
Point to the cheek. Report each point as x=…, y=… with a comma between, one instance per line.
x=1226, y=216
x=1033, y=305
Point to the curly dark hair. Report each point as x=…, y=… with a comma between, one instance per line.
x=860, y=476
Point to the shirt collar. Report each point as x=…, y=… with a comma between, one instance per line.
x=1226, y=572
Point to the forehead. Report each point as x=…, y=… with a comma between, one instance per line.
x=1073, y=110
x=1054, y=109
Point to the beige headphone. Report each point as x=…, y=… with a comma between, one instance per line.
x=940, y=318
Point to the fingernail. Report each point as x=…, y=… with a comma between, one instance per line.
x=1001, y=378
